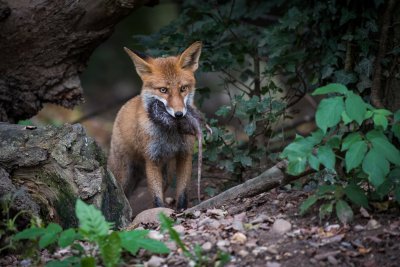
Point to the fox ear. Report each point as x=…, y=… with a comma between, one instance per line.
x=189, y=59
x=142, y=67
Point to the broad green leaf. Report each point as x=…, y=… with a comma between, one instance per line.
x=30, y=233
x=368, y=114
x=380, y=120
x=326, y=157
x=385, y=188
x=152, y=245
x=396, y=130
x=345, y=118
x=129, y=240
x=315, y=137
x=68, y=262
x=356, y=195
x=296, y=165
x=88, y=262
x=329, y=112
x=355, y=155
x=307, y=204
x=396, y=116
x=323, y=189
x=250, y=128
x=313, y=162
x=382, y=145
x=325, y=210
x=50, y=236
x=67, y=238
x=246, y=161
x=397, y=193
x=350, y=139
x=110, y=249
x=300, y=147
x=344, y=212
x=331, y=88
x=376, y=166
x=355, y=107
x=383, y=112
x=91, y=221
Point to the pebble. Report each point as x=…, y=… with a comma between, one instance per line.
x=281, y=226
x=155, y=261
x=373, y=224
x=155, y=235
x=243, y=253
x=206, y=246
x=273, y=264
x=359, y=228
x=221, y=244
x=272, y=249
x=169, y=200
x=217, y=213
x=179, y=228
x=238, y=238
x=259, y=250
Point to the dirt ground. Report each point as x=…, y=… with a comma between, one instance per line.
x=267, y=230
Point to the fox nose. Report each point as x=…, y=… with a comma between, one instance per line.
x=179, y=114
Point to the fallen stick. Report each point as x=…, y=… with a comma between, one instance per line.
x=269, y=179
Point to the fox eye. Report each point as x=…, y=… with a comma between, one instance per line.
x=184, y=88
x=163, y=90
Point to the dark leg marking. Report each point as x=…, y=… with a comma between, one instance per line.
x=182, y=201
x=158, y=202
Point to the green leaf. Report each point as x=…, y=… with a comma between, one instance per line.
x=68, y=262
x=368, y=114
x=380, y=120
x=396, y=130
x=250, y=128
x=397, y=193
x=314, y=162
x=355, y=107
x=110, y=249
x=50, y=236
x=344, y=212
x=246, y=161
x=326, y=157
x=307, y=204
x=382, y=145
x=88, y=262
x=297, y=165
x=345, y=118
x=300, y=147
x=329, y=112
x=334, y=141
x=356, y=195
x=383, y=112
x=396, y=116
x=67, y=238
x=30, y=233
x=376, y=166
x=385, y=188
x=331, y=88
x=129, y=240
x=355, y=155
x=325, y=210
x=166, y=225
x=91, y=221
x=152, y=245
x=350, y=139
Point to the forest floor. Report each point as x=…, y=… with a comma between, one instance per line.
x=267, y=230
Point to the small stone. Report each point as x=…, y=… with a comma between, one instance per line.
x=281, y=226
x=197, y=213
x=155, y=235
x=243, y=253
x=171, y=245
x=273, y=264
x=238, y=238
x=332, y=260
x=359, y=228
x=206, y=246
x=259, y=219
x=268, y=258
x=272, y=249
x=214, y=224
x=217, y=213
x=221, y=244
x=155, y=261
x=259, y=250
x=289, y=205
x=179, y=228
x=373, y=224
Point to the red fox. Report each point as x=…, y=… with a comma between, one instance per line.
x=155, y=132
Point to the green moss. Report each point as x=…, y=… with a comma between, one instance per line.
x=64, y=203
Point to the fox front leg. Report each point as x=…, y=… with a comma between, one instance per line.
x=183, y=175
x=155, y=182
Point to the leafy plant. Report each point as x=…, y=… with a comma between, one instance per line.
x=354, y=141
x=93, y=228
x=197, y=256
x=267, y=55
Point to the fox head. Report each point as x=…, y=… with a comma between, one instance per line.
x=169, y=80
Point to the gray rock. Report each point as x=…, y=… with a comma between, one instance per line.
x=59, y=164
x=150, y=216
x=281, y=226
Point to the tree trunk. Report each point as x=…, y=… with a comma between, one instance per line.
x=45, y=44
x=47, y=169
